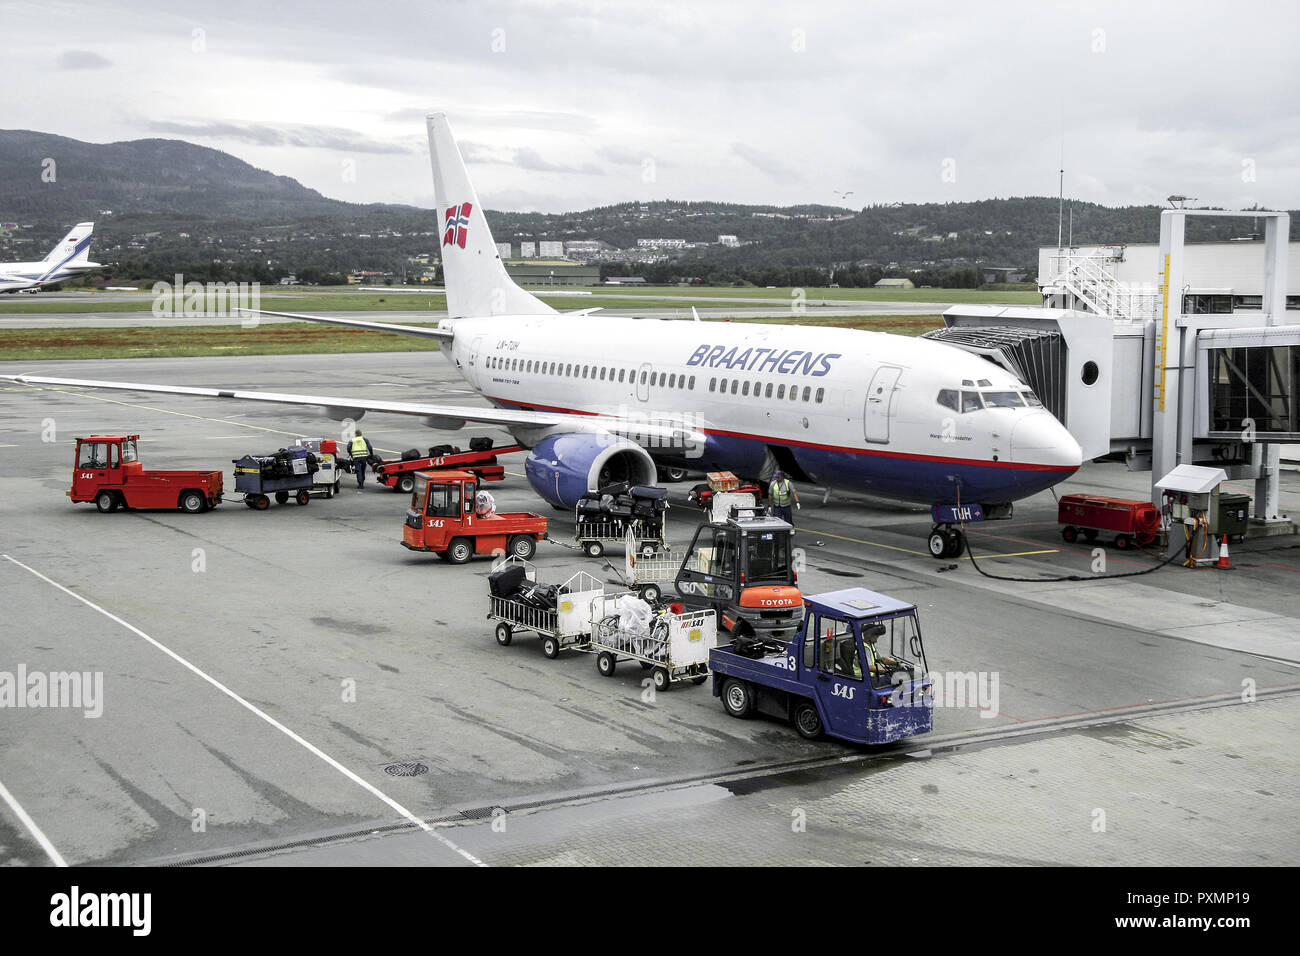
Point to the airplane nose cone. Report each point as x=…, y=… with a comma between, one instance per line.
x=1039, y=439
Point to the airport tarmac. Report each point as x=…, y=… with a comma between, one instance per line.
x=270, y=679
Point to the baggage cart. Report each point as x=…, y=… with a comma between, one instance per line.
x=257, y=489
x=646, y=571
x=567, y=625
x=674, y=648
x=594, y=536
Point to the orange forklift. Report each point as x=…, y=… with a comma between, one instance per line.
x=443, y=519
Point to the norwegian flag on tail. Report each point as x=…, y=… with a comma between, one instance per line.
x=457, y=223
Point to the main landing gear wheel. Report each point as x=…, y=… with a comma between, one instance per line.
x=504, y=634
x=672, y=474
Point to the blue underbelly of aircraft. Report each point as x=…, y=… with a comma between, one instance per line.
x=906, y=477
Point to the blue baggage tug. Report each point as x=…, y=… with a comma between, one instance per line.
x=854, y=670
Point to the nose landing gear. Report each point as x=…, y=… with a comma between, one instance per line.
x=946, y=542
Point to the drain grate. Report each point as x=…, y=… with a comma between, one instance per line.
x=480, y=813
x=409, y=768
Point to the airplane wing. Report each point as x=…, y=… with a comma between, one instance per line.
x=443, y=335
x=443, y=416
x=439, y=290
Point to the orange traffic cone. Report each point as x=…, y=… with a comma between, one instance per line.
x=1223, y=564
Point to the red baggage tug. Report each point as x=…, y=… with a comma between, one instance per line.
x=108, y=472
x=442, y=519
x=1132, y=522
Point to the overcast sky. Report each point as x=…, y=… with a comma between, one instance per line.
x=567, y=104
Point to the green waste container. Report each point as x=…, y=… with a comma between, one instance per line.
x=1232, y=516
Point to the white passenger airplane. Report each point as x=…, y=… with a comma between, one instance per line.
x=69, y=258
x=600, y=399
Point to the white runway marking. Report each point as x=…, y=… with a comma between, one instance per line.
x=31, y=826
x=312, y=748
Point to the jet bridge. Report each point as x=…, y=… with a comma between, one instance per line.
x=1162, y=386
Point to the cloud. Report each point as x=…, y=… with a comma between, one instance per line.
x=765, y=163
x=82, y=60
x=258, y=134
x=533, y=161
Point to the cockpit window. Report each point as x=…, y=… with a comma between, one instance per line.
x=948, y=398
x=984, y=383
x=1002, y=400
x=970, y=402
x=1031, y=400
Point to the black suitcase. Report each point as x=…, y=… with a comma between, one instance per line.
x=480, y=444
x=505, y=581
x=440, y=451
x=411, y=454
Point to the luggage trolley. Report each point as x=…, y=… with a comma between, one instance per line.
x=675, y=647
x=257, y=487
x=567, y=625
x=646, y=570
x=602, y=518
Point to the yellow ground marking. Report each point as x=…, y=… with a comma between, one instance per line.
x=924, y=554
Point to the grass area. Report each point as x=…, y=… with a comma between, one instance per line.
x=302, y=338
x=289, y=338
x=348, y=300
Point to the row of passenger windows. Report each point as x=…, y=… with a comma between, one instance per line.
x=742, y=387
x=604, y=373
x=601, y=372
x=972, y=401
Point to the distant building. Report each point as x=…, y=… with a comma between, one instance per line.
x=1002, y=274
x=577, y=248
x=729, y=241
x=895, y=284
x=539, y=273
x=661, y=243
x=625, y=280
x=527, y=250
x=550, y=249
x=503, y=250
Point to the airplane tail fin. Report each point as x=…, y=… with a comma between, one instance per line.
x=475, y=277
x=74, y=248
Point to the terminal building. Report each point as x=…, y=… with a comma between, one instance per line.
x=1160, y=356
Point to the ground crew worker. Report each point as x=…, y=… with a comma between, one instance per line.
x=361, y=451
x=782, y=493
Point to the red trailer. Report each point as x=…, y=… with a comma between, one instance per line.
x=400, y=475
x=109, y=473
x=442, y=519
x=1132, y=522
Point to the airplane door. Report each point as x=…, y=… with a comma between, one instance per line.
x=473, y=368
x=879, y=406
x=643, y=383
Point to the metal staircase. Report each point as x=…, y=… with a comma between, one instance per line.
x=1091, y=286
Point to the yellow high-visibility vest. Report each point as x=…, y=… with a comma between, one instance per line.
x=781, y=492
x=358, y=447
